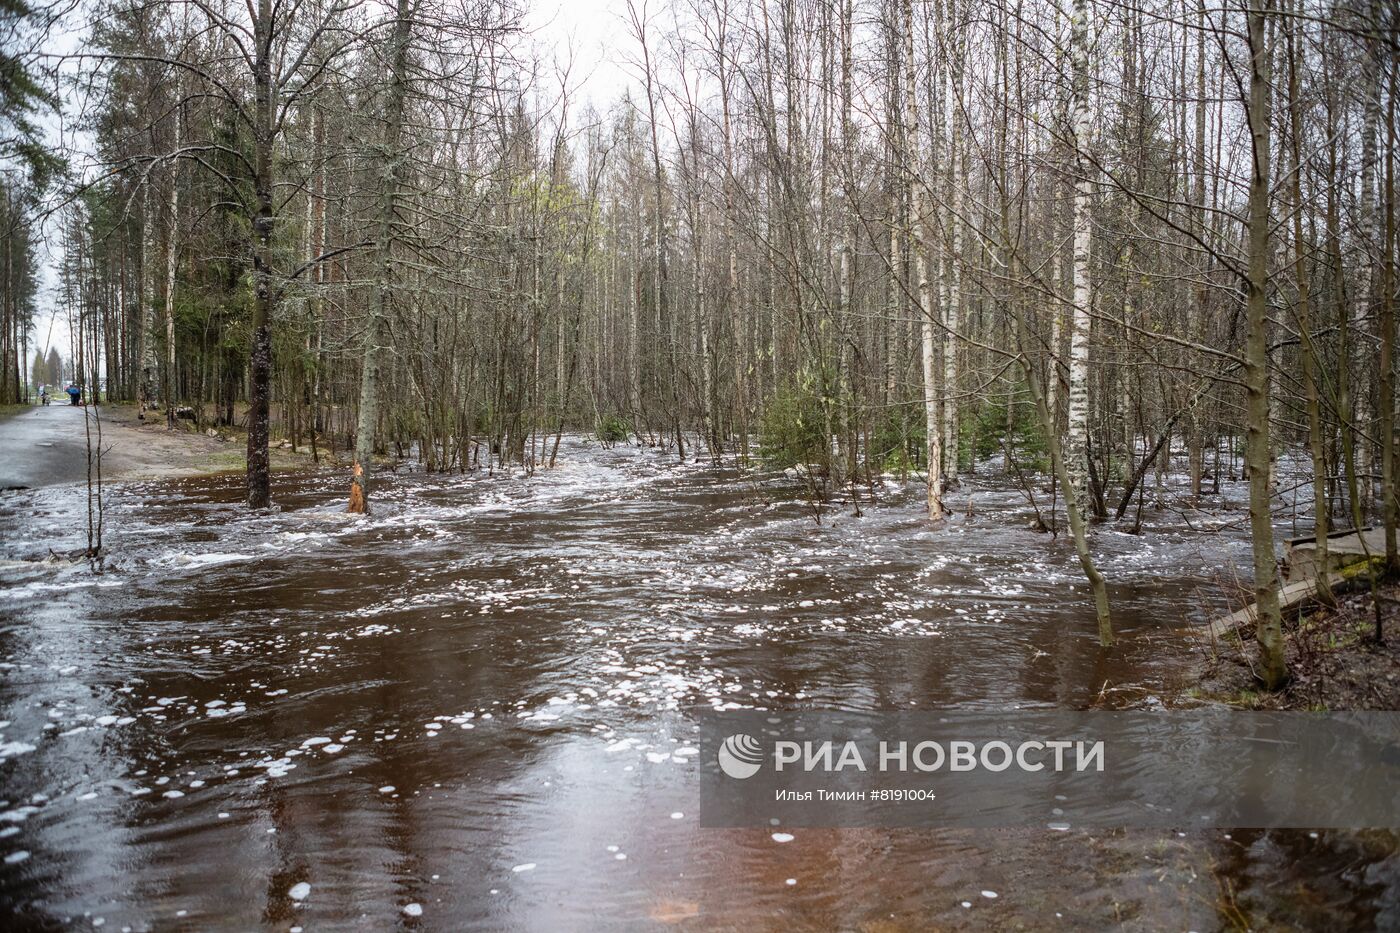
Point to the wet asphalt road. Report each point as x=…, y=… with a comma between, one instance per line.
x=43, y=446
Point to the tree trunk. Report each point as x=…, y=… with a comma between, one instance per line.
x=949, y=393
x=923, y=311
x=264, y=289
x=1307, y=349
x=1077, y=436
x=392, y=170
x=1077, y=528
x=1269, y=629
x=1387, y=376
x=146, y=345
x=171, y=265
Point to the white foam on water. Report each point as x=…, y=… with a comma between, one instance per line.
x=30, y=590
x=200, y=560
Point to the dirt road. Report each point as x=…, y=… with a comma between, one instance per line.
x=47, y=445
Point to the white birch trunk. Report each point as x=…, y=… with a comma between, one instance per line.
x=923, y=311
x=1077, y=439
x=146, y=349
x=952, y=317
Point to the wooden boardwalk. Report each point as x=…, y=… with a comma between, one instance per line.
x=1347, y=553
x=1291, y=596
x=1343, y=548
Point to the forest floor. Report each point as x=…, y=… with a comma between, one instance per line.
x=47, y=445
x=1333, y=655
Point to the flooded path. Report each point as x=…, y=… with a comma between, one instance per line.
x=473, y=709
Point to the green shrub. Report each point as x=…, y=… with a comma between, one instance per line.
x=897, y=445
x=613, y=430
x=793, y=426
x=983, y=432
x=1032, y=452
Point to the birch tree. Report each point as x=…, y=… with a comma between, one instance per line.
x=1077, y=409
x=923, y=307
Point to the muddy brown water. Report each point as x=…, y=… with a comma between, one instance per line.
x=478, y=701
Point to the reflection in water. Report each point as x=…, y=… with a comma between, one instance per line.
x=478, y=701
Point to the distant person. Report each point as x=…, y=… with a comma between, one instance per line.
x=75, y=394
x=43, y=395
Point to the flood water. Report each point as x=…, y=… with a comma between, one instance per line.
x=480, y=700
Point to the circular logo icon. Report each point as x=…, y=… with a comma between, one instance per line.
x=740, y=756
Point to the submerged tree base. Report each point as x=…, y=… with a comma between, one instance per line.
x=358, y=505
x=1332, y=654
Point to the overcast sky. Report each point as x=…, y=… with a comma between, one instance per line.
x=593, y=33
x=597, y=32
